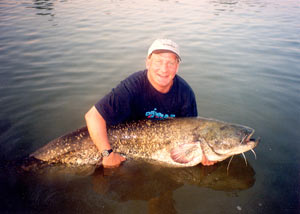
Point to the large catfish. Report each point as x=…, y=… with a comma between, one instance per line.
x=177, y=142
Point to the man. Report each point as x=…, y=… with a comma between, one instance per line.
x=156, y=92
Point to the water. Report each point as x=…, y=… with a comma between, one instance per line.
x=57, y=58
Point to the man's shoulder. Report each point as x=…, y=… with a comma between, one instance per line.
x=135, y=82
x=182, y=84
x=137, y=76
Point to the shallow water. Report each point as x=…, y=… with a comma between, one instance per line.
x=57, y=58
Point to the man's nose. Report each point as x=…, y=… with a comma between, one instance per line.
x=164, y=67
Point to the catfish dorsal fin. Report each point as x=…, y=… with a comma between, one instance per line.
x=183, y=153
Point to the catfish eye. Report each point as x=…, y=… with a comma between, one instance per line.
x=223, y=127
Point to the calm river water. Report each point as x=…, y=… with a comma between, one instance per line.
x=241, y=57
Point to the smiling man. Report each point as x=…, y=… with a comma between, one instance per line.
x=155, y=93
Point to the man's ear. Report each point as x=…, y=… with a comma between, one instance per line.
x=177, y=67
x=148, y=62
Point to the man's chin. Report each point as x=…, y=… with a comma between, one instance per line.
x=164, y=82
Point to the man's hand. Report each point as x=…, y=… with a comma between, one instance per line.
x=207, y=162
x=113, y=160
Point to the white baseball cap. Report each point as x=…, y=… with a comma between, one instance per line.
x=164, y=44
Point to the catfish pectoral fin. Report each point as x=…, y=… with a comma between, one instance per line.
x=183, y=153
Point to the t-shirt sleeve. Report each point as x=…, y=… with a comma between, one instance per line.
x=193, y=107
x=187, y=99
x=115, y=107
x=189, y=108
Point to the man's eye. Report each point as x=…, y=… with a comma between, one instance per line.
x=171, y=63
x=158, y=63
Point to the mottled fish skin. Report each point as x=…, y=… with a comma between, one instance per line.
x=177, y=142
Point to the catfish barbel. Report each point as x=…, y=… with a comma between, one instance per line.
x=176, y=142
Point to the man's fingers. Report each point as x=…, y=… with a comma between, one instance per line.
x=207, y=162
x=111, y=166
x=113, y=161
x=122, y=157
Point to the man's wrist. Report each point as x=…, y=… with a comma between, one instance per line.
x=106, y=152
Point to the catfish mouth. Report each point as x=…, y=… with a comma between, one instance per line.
x=249, y=140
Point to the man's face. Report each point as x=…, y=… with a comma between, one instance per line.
x=162, y=68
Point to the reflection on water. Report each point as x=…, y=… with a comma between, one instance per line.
x=224, y=5
x=45, y=7
x=133, y=181
x=140, y=181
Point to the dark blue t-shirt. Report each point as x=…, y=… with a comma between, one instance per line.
x=135, y=98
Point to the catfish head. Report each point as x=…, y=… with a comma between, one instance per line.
x=221, y=140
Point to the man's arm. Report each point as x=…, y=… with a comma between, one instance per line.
x=98, y=132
